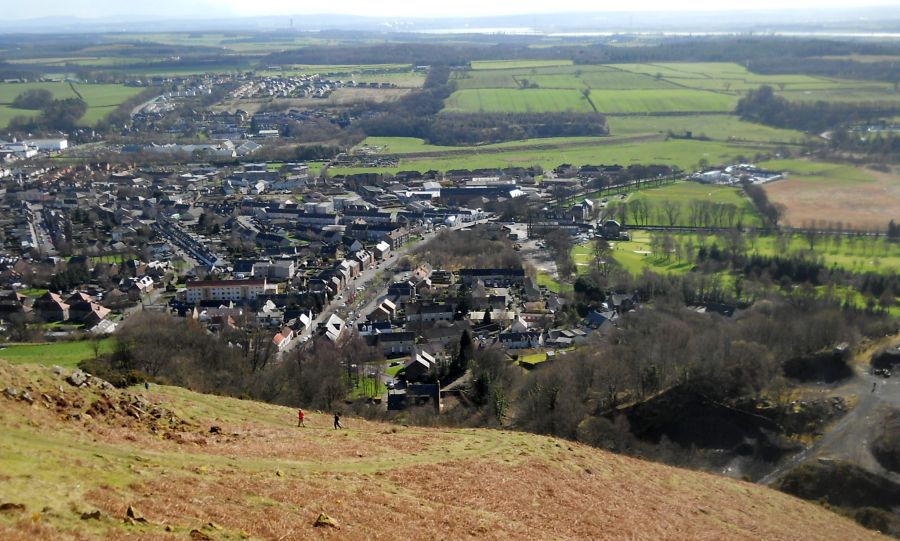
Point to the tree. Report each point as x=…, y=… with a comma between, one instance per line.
x=466, y=349
x=672, y=210
x=63, y=114
x=35, y=98
x=603, y=257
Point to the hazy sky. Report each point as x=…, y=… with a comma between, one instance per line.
x=13, y=9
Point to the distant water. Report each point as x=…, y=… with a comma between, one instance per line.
x=526, y=31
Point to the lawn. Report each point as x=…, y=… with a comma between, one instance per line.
x=538, y=100
x=67, y=354
x=101, y=99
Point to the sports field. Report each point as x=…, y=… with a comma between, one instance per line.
x=101, y=99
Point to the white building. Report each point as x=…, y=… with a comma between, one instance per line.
x=225, y=290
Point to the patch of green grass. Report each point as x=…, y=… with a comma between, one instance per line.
x=820, y=172
x=661, y=101
x=66, y=354
x=101, y=99
x=33, y=292
x=680, y=153
x=684, y=193
x=517, y=64
x=720, y=127
x=852, y=253
x=537, y=100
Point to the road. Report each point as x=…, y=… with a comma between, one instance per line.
x=849, y=439
x=368, y=279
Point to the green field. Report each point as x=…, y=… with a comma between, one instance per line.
x=657, y=88
x=822, y=173
x=676, y=152
x=517, y=64
x=719, y=127
x=413, y=145
x=686, y=192
x=661, y=101
x=102, y=99
x=855, y=254
x=538, y=100
x=67, y=354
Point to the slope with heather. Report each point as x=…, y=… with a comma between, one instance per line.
x=204, y=467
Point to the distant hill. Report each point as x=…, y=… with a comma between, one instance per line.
x=191, y=466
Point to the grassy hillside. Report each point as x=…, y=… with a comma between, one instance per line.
x=257, y=476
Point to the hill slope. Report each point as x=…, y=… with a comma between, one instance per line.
x=258, y=476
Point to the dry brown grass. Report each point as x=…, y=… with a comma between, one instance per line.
x=859, y=205
x=263, y=478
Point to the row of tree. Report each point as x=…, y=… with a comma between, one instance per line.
x=764, y=106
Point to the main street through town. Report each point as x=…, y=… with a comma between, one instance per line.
x=370, y=286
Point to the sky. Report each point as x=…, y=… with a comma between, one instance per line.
x=386, y=8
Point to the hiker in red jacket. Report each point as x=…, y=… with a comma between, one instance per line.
x=300, y=416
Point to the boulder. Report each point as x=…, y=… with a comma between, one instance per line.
x=26, y=397
x=197, y=535
x=134, y=515
x=93, y=515
x=77, y=378
x=323, y=521
x=11, y=392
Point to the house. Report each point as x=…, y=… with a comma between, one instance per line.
x=622, y=302
x=396, y=238
x=442, y=334
x=402, y=291
x=597, y=320
x=397, y=342
x=335, y=329
x=418, y=367
x=140, y=287
x=492, y=277
x=282, y=339
x=521, y=340
x=612, y=230
x=279, y=271
x=382, y=249
x=50, y=307
x=84, y=309
x=428, y=312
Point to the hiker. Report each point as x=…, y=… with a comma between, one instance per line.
x=337, y=421
x=300, y=416
x=874, y=383
x=147, y=385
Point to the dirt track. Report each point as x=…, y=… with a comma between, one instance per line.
x=850, y=437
